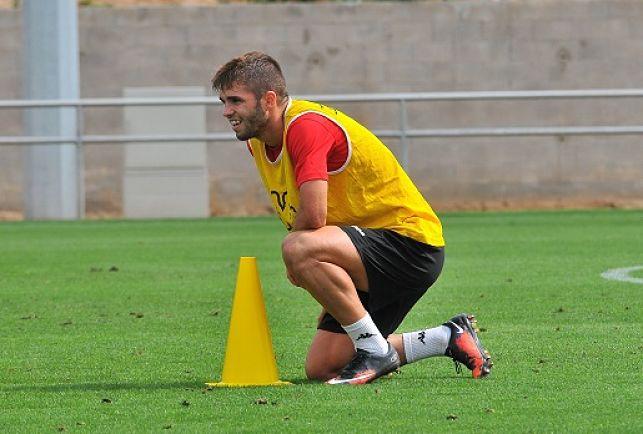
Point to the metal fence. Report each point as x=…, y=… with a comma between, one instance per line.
x=403, y=133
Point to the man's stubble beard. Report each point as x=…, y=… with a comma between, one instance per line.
x=253, y=125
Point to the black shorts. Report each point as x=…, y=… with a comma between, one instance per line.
x=399, y=270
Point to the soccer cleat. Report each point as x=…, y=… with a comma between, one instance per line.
x=465, y=347
x=366, y=367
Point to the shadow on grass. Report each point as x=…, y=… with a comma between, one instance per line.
x=84, y=387
x=98, y=387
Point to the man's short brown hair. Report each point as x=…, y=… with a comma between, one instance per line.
x=255, y=70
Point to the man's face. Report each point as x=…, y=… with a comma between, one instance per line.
x=243, y=111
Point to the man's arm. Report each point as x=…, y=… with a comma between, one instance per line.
x=312, y=205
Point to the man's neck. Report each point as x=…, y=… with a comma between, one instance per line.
x=273, y=134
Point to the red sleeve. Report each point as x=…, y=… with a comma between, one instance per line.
x=308, y=142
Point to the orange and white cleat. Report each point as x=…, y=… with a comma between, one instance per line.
x=366, y=367
x=465, y=346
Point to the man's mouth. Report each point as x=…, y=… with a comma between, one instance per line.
x=234, y=123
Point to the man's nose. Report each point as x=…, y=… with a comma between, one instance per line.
x=227, y=111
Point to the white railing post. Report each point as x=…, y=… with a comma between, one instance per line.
x=50, y=31
x=80, y=152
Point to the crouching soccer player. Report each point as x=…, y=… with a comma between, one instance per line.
x=362, y=240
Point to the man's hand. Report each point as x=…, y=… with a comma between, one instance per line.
x=313, y=205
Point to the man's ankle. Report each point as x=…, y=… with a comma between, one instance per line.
x=366, y=336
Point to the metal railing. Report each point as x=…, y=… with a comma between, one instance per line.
x=404, y=133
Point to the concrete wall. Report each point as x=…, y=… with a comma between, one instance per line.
x=379, y=47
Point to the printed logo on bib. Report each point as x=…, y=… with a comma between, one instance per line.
x=285, y=210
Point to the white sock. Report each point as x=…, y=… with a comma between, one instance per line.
x=426, y=343
x=366, y=336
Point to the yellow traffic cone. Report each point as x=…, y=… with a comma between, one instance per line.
x=249, y=358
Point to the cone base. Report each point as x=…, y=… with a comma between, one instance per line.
x=222, y=384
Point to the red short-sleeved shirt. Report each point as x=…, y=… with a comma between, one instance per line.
x=316, y=146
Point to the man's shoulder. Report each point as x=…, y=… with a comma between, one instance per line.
x=299, y=107
x=310, y=119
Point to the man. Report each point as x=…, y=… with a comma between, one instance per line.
x=363, y=241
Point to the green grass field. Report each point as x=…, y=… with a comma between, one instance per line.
x=115, y=326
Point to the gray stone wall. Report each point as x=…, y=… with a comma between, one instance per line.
x=379, y=47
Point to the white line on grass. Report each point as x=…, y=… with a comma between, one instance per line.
x=623, y=274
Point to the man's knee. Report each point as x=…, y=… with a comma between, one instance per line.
x=319, y=372
x=328, y=355
x=315, y=370
x=296, y=250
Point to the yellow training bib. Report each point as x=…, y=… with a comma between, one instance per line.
x=371, y=190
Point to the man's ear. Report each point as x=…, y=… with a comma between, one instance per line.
x=270, y=99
